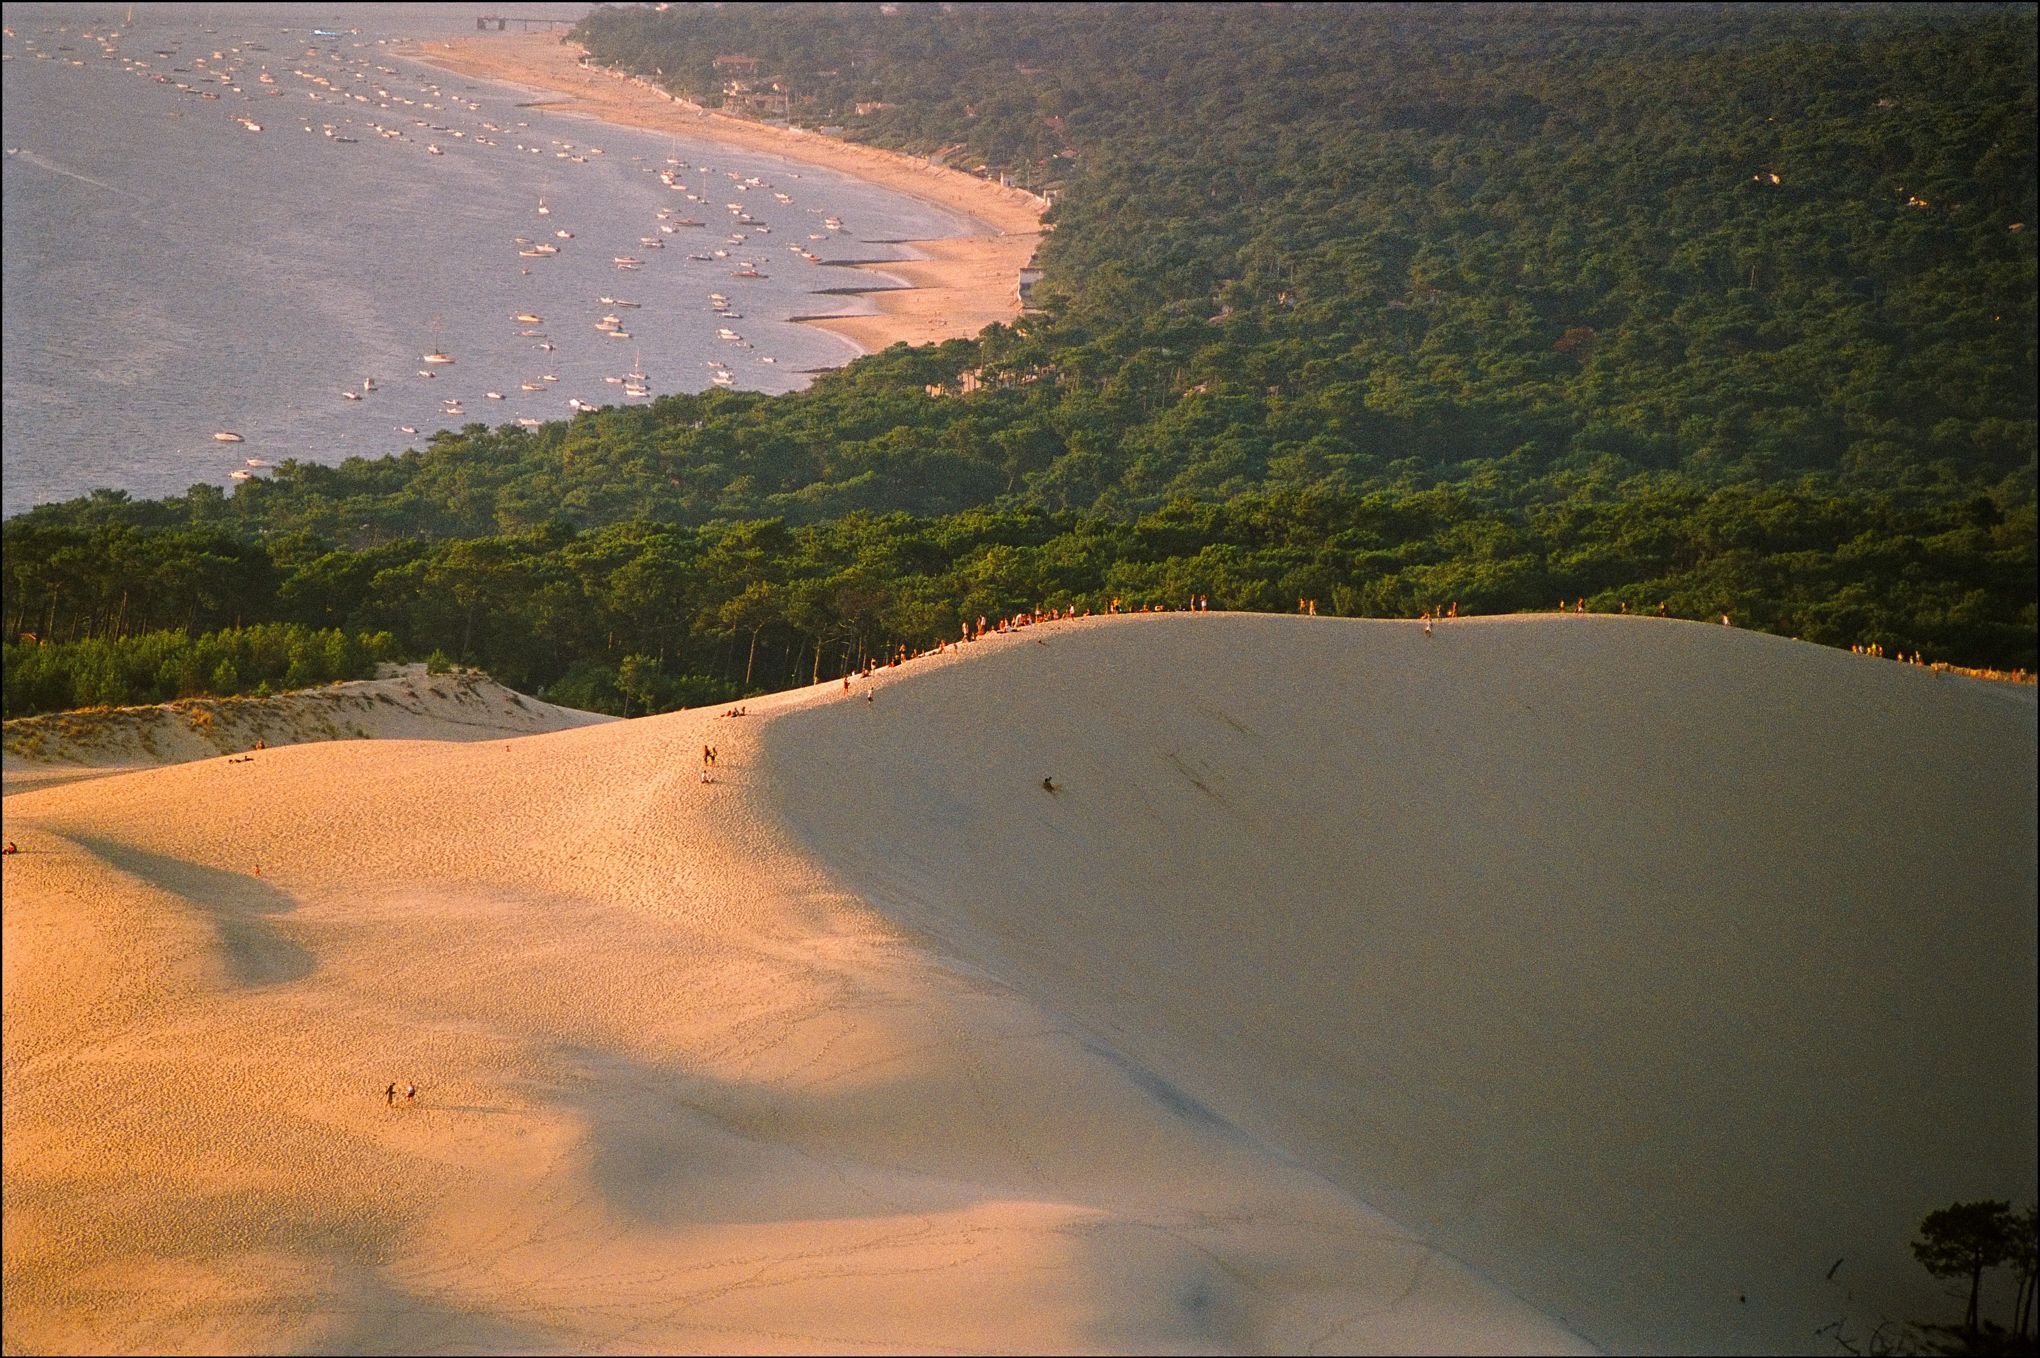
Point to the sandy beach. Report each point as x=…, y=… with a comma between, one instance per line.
x=961, y=285
x=1542, y=984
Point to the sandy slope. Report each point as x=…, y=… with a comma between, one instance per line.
x=955, y=289
x=875, y=1046
x=680, y=1090
x=406, y=703
x=1647, y=965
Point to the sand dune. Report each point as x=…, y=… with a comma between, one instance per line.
x=406, y=703
x=1649, y=966
x=1626, y=965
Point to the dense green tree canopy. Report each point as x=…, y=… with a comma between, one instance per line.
x=1728, y=308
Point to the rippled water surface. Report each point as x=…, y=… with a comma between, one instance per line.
x=171, y=273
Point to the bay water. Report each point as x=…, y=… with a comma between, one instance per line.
x=172, y=274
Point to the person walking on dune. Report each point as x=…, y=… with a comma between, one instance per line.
x=410, y=1094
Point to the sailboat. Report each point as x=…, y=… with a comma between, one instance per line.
x=129, y=22
x=543, y=210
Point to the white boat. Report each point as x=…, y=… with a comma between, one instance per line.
x=564, y=235
x=543, y=210
x=350, y=396
x=435, y=358
x=528, y=422
x=238, y=475
x=258, y=462
x=368, y=384
x=528, y=317
x=407, y=429
x=493, y=395
x=225, y=437
x=534, y=386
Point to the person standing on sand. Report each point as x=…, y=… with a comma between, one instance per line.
x=410, y=1093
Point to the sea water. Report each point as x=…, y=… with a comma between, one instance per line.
x=171, y=274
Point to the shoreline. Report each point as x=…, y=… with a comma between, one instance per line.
x=960, y=285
